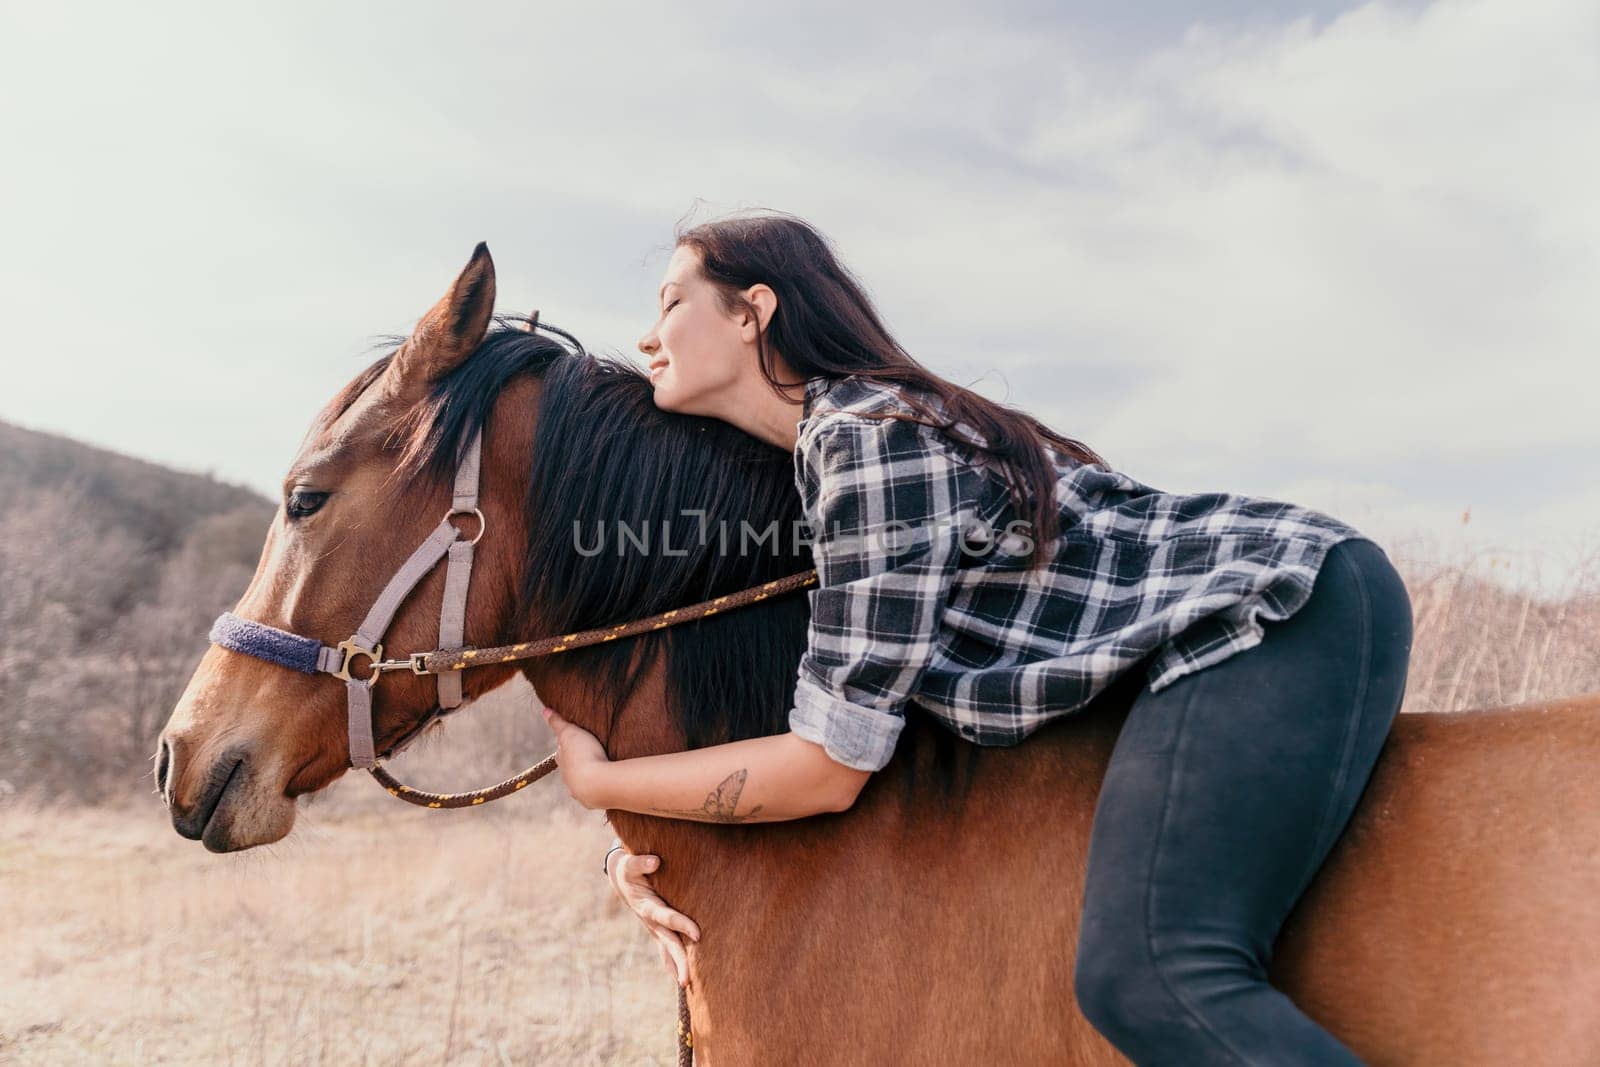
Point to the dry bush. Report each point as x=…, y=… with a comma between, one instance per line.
x=1481, y=643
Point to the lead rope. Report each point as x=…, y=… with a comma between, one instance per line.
x=445, y=660
x=685, y=1037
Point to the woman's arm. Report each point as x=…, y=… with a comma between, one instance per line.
x=761, y=779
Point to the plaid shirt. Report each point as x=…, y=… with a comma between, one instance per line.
x=910, y=608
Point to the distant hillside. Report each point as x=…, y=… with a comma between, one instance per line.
x=111, y=569
x=152, y=503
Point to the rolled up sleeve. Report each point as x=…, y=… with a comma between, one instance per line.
x=888, y=504
x=852, y=734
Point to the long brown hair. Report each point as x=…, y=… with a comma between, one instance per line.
x=826, y=325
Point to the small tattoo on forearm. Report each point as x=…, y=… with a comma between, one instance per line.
x=719, y=803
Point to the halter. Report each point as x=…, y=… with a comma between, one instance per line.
x=311, y=656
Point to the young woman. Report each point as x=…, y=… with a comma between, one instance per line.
x=1274, y=642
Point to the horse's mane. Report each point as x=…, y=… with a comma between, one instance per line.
x=606, y=459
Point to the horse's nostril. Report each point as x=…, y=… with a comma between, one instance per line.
x=163, y=766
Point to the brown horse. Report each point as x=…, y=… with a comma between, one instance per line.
x=935, y=921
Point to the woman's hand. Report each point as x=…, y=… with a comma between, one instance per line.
x=581, y=757
x=630, y=877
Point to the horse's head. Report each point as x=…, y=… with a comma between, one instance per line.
x=364, y=490
x=568, y=441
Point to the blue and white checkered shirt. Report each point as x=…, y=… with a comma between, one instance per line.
x=910, y=608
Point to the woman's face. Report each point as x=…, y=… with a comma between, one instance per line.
x=698, y=352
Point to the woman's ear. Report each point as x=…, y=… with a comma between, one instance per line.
x=766, y=305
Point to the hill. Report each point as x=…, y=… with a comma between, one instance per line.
x=111, y=569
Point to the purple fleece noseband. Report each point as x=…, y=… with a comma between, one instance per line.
x=266, y=642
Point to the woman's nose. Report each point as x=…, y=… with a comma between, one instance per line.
x=648, y=343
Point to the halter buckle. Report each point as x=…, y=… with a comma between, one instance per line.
x=351, y=648
x=417, y=665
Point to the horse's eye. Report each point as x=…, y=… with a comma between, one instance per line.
x=303, y=502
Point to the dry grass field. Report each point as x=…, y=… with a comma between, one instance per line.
x=379, y=933
x=376, y=933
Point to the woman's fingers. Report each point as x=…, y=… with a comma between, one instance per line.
x=656, y=913
x=676, y=920
x=637, y=868
x=630, y=877
x=644, y=900
x=677, y=959
x=632, y=872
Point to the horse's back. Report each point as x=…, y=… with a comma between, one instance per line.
x=1454, y=920
x=1449, y=924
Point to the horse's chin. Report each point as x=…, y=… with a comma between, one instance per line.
x=248, y=817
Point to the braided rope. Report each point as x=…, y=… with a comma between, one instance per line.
x=424, y=799
x=462, y=659
x=685, y=1037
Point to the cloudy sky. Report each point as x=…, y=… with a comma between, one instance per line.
x=1346, y=255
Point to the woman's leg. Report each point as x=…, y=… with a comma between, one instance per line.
x=1224, y=793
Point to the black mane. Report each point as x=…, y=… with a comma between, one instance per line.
x=606, y=458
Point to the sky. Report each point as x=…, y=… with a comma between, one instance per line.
x=1340, y=254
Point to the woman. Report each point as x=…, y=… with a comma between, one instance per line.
x=1021, y=578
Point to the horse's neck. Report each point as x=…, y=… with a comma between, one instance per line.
x=642, y=728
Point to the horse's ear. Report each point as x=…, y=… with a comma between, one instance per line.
x=455, y=326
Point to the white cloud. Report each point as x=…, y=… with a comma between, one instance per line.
x=1360, y=252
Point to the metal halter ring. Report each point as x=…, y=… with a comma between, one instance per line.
x=351, y=648
x=483, y=523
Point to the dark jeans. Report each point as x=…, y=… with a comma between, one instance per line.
x=1224, y=794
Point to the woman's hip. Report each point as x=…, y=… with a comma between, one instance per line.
x=1225, y=789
